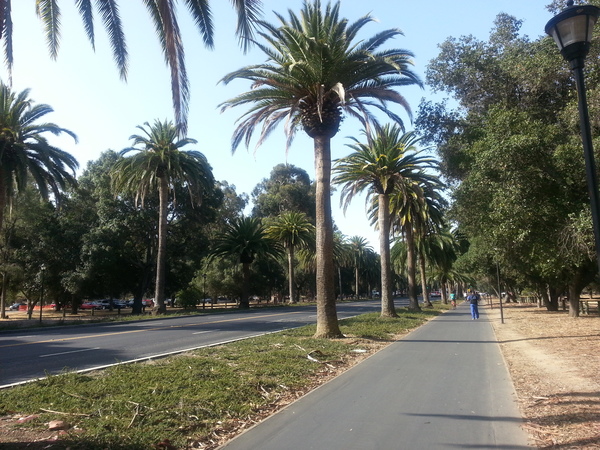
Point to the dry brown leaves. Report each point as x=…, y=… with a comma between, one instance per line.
x=554, y=362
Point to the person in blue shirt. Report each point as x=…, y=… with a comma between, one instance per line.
x=473, y=299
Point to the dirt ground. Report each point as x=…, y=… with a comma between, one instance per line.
x=554, y=361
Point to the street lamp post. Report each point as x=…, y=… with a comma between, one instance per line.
x=572, y=31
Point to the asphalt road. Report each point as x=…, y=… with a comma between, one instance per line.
x=33, y=353
x=444, y=386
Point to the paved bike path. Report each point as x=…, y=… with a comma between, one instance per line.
x=443, y=386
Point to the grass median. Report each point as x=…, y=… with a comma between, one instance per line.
x=188, y=400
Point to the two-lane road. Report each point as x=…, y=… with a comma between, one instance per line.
x=34, y=353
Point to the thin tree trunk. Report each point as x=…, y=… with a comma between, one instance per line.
x=327, y=321
x=387, y=300
x=161, y=255
x=291, y=273
x=3, y=295
x=413, y=301
x=356, y=278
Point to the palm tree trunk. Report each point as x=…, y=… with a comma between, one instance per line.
x=426, y=301
x=161, y=255
x=245, y=301
x=291, y=273
x=356, y=278
x=413, y=301
x=327, y=322
x=387, y=301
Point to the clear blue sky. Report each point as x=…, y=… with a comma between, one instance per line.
x=89, y=98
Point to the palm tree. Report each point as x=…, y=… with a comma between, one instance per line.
x=163, y=14
x=245, y=238
x=409, y=209
x=158, y=165
x=26, y=154
x=427, y=228
x=293, y=230
x=316, y=70
x=358, y=247
x=381, y=166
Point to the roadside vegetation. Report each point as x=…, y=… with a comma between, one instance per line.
x=195, y=397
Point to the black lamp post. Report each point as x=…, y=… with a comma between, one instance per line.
x=572, y=31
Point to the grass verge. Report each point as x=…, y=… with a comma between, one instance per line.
x=189, y=399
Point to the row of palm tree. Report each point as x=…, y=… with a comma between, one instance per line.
x=317, y=69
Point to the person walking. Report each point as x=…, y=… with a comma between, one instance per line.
x=453, y=299
x=473, y=299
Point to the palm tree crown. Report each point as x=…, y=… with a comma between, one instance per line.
x=164, y=17
x=315, y=69
x=159, y=156
x=25, y=152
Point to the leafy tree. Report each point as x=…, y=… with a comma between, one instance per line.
x=160, y=164
x=164, y=17
x=317, y=69
x=292, y=230
x=245, y=238
x=288, y=188
x=381, y=166
x=27, y=154
x=512, y=151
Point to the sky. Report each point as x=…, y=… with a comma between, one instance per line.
x=89, y=98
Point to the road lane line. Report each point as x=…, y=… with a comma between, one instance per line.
x=72, y=351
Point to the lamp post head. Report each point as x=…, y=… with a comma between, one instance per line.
x=572, y=31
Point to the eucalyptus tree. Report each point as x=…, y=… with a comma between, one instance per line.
x=292, y=230
x=159, y=164
x=26, y=153
x=163, y=14
x=245, y=238
x=288, y=188
x=318, y=68
x=380, y=166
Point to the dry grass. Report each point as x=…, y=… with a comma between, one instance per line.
x=554, y=362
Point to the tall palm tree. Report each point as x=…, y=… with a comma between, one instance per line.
x=26, y=154
x=292, y=230
x=159, y=164
x=163, y=14
x=245, y=238
x=316, y=70
x=387, y=160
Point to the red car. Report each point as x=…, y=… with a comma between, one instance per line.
x=90, y=305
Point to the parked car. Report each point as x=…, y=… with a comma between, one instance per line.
x=17, y=306
x=435, y=294
x=90, y=305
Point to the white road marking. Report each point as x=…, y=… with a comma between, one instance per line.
x=73, y=351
